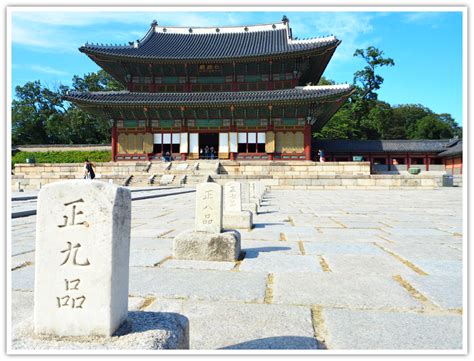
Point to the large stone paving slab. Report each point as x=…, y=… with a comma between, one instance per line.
x=269, y=262
x=226, y=325
x=375, y=330
x=198, y=284
x=367, y=265
x=147, y=257
x=342, y=248
x=341, y=290
x=446, y=291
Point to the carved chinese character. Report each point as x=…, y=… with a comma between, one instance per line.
x=71, y=220
x=74, y=249
x=72, y=284
x=75, y=302
x=208, y=195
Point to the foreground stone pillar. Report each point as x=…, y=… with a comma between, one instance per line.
x=82, y=258
x=207, y=242
x=234, y=216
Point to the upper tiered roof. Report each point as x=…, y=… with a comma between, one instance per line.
x=213, y=43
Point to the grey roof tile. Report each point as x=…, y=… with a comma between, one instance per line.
x=176, y=44
x=455, y=149
x=126, y=97
x=382, y=146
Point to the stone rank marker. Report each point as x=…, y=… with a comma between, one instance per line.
x=247, y=204
x=82, y=258
x=207, y=242
x=208, y=207
x=234, y=217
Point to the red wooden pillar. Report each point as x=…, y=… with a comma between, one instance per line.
x=427, y=161
x=114, y=141
x=407, y=161
x=307, y=141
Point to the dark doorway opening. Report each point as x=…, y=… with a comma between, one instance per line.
x=211, y=140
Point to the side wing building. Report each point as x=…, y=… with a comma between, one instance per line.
x=248, y=91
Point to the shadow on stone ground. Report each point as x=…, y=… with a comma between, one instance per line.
x=254, y=252
x=277, y=343
x=266, y=225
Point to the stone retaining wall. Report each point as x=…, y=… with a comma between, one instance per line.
x=338, y=181
x=276, y=174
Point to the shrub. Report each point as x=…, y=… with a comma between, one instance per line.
x=72, y=156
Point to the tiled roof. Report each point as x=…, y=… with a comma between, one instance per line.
x=382, y=146
x=134, y=98
x=173, y=43
x=453, y=150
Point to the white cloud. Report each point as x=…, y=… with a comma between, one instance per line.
x=48, y=70
x=352, y=28
x=423, y=18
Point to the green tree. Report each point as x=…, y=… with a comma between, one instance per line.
x=96, y=82
x=367, y=78
x=33, y=106
x=431, y=127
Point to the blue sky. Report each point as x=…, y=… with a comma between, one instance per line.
x=426, y=46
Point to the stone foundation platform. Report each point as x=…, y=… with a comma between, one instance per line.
x=141, y=331
x=202, y=246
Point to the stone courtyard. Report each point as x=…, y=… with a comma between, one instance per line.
x=321, y=269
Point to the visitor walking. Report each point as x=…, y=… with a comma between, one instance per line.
x=88, y=170
x=206, y=152
x=212, y=152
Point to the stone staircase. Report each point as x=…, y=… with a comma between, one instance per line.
x=176, y=173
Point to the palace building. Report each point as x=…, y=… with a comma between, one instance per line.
x=249, y=92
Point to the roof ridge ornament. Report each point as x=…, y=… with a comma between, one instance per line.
x=285, y=19
x=154, y=24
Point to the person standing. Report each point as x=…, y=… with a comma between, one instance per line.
x=88, y=170
x=206, y=152
x=212, y=151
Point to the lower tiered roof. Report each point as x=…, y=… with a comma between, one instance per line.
x=323, y=100
x=307, y=93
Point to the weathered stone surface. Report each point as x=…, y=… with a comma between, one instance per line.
x=341, y=290
x=268, y=262
x=248, y=326
x=345, y=248
x=444, y=290
x=208, y=216
x=378, y=330
x=238, y=220
x=367, y=265
x=197, y=284
x=140, y=331
x=82, y=258
x=205, y=246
